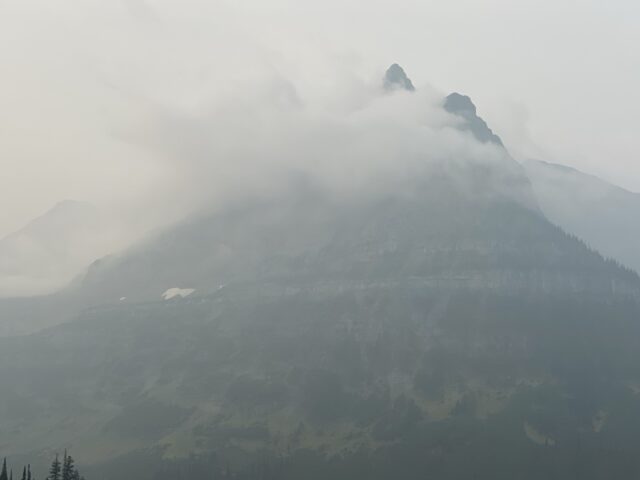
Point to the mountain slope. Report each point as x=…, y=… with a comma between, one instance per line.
x=603, y=215
x=462, y=106
x=305, y=237
x=397, y=331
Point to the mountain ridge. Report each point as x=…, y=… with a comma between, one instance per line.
x=600, y=213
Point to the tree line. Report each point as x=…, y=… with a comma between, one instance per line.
x=64, y=469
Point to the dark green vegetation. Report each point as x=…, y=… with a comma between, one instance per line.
x=445, y=329
x=513, y=352
x=64, y=469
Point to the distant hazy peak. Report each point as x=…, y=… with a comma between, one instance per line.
x=555, y=172
x=72, y=206
x=64, y=213
x=69, y=203
x=602, y=214
x=462, y=106
x=396, y=78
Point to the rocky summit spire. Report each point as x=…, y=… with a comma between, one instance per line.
x=395, y=78
x=462, y=106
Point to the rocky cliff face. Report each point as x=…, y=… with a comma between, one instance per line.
x=396, y=78
x=462, y=106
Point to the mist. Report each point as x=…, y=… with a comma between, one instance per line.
x=167, y=135
x=279, y=240
x=79, y=74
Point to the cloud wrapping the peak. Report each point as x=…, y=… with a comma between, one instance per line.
x=150, y=109
x=255, y=139
x=76, y=74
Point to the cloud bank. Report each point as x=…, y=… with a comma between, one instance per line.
x=151, y=109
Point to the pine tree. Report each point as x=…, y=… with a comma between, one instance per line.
x=68, y=468
x=3, y=472
x=29, y=472
x=24, y=473
x=54, y=470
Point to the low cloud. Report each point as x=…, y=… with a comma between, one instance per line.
x=352, y=140
x=154, y=111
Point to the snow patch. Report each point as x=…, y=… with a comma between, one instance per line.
x=177, y=292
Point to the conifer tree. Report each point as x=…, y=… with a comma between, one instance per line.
x=3, y=472
x=24, y=473
x=54, y=470
x=67, y=467
x=29, y=472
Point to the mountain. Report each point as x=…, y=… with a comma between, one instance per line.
x=53, y=248
x=603, y=215
x=396, y=78
x=462, y=106
x=444, y=329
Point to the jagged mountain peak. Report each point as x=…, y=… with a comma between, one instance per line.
x=459, y=104
x=395, y=78
x=463, y=106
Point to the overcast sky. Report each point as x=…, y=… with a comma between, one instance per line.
x=557, y=79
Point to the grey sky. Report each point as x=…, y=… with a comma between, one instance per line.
x=557, y=80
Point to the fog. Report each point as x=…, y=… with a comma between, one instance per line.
x=256, y=139
x=237, y=241
x=151, y=109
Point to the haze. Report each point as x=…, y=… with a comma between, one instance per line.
x=280, y=240
x=79, y=76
